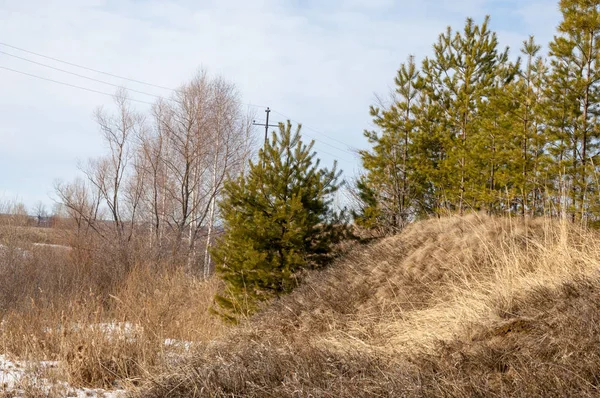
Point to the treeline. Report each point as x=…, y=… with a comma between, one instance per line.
x=153, y=196
x=469, y=129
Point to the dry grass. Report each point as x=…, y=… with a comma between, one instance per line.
x=30, y=234
x=107, y=323
x=471, y=306
x=100, y=343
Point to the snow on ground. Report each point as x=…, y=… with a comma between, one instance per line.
x=185, y=345
x=9, y=374
x=18, y=377
x=6, y=251
x=118, y=329
x=59, y=247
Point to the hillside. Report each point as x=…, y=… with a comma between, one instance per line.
x=450, y=307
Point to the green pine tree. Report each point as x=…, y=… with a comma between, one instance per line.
x=509, y=125
x=529, y=158
x=278, y=221
x=386, y=189
x=369, y=214
x=496, y=149
x=429, y=153
x=460, y=78
x=574, y=90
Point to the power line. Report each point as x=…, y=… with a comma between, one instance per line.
x=129, y=89
x=317, y=139
x=93, y=70
x=86, y=68
x=69, y=84
x=100, y=92
x=316, y=131
x=78, y=75
x=335, y=157
x=89, y=78
x=266, y=124
x=131, y=99
x=329, y=145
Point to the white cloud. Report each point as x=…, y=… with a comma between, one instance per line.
x=319, y=62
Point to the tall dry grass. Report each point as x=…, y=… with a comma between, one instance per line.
x=106, y=322
x=472, y=306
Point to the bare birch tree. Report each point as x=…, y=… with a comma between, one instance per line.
x=162, y=177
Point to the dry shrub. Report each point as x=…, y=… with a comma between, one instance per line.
x=104, y=354
x=100, y=343
x=93, y=350
x=49, y=274
x=104, y=309
x=265, y=367
x=48, y=236
x=471, y=306
x=173, y=304
x=106, y=321
x=30, y=273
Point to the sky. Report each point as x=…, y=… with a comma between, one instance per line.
x=318, y=62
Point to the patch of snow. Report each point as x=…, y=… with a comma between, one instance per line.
x=14, y=251
x=61, y=247
x=14, y=376
x=118, y=328
x=186, y=345
x=10, y=374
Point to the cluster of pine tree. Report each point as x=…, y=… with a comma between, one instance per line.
x=472, y=130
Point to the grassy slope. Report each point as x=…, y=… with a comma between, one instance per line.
x=451, y=307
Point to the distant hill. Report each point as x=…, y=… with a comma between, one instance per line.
x=472, y=306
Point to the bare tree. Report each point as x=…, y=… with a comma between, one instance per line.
x=182, y=123
x=161, y=177
x=40, y=212
x=205, y=138
x=82, y=204
x=108, y=173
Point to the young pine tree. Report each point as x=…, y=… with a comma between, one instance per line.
x=497, y=148
x=387, y=189
x=460, y=77
x=575, y=79
x=429, y=153
x=526, y=96
x=278, y=221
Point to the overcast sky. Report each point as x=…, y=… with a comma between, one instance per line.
x=320, y=62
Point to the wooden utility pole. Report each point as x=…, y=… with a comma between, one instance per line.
x=266, y=124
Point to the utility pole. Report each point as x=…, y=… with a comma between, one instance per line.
x=266, y=124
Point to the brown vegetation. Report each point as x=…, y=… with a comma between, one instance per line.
x=122, y=288
x=107, y=323
x=156, y=188
x=472, y=306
